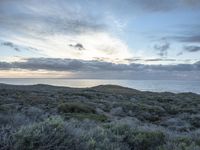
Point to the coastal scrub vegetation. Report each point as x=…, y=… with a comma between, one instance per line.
x=106, y=117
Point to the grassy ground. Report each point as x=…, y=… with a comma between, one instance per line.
x=100, y=118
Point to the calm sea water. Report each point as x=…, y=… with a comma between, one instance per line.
x=144, y=85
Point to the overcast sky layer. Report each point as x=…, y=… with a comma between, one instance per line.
x=113, y=39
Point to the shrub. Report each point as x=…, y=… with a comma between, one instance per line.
x=74, y=107
x=50, y=134
x=82, y=116
x=195, y=120
x=140, y=140
x=184, y=141
x=102, y=139
x=6, y=139
x=14, y=119
x=143, y=112
x=145, y=140
x=180, y=146
x=120, y=129
x=6, y=108
x=56, y=134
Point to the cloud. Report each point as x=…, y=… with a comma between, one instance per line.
x=192, y=48
x=54, y=17
x=191, y=3
x=197, y=64
x=143, y=60
x=186, y=33
x=193, y=38
x=11, y=45
x=162, y=48
x=157, y=5
x=167, y=5
x=5, y=66
x=18, y=48
x=104, y=70
x=179, y=53
x=57, y=27
x=103, y=45
x=73, y=17
x=57, y=64
x=87, y=29
x=77, y=46
x=159, y=59
x=149, y=6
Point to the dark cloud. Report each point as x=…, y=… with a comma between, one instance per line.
x=53, y=17
x=158, y=59
x=11, y=45
x=77, y=46
x=149, y=60
x=56, y=64
x=133, y=59
x=193, y=38
x=186, y=33
x=5, y=66
x=49, y=64
x=179, y=53
x=171, y=4
x=197, y=65
x=34, y=17
x=191, y=3
x=17, y=47
x=157, y=5
x=106, y=70
x=192, y=48
x=152, y=5
x=162, y=48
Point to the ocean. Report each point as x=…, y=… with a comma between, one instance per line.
x=175, y=86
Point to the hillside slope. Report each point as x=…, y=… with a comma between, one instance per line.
x=105, y=117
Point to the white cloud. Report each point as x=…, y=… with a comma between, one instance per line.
x=96, y=45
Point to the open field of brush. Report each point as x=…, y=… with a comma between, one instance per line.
x=107, y=117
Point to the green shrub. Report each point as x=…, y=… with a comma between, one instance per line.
x=143, y=140
x=180, y=146
x=29, y=137
x=56, y=134
x=5, y=108
x=195, y=121
x=50, y=134
x=120, y=129
x=140, y=140
x=82, y=116
x=74, y=107
x=183, y=140
x=6, y=139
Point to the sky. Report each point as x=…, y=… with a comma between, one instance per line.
x=93, y=39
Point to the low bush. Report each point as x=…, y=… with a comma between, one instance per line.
x=75, y=107
x=6, y=138
x=45, y=118
x=56, y=134
x=145, y=140
x=83, y=116
x=140, y=140
x=50, y=134
x=180, y=146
